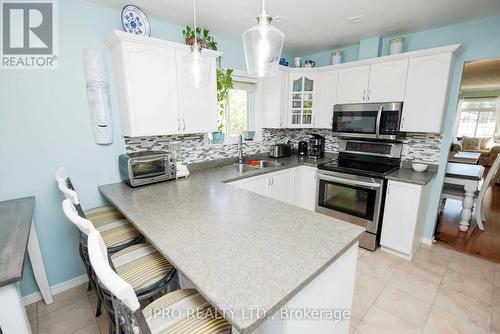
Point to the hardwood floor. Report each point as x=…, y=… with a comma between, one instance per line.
x=475, y=242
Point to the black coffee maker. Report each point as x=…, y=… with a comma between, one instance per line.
x=316, y=146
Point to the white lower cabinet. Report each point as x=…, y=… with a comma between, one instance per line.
x=404, y=217
x=280, y=185
x=304, y=187
x=256, y=184
x=295, y=186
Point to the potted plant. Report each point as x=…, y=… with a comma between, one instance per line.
x=203, y=38
x=224, y=84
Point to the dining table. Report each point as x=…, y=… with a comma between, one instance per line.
x=18, y=238
x=467, y=176
x=471, y=158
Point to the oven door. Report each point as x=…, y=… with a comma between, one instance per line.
x=145, y=168
x=351, y=198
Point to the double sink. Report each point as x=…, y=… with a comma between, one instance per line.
x=255, y=165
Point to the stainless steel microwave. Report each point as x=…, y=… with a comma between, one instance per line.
x=140, y=168
x=368, y=120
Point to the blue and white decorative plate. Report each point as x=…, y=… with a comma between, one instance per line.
x=135, y=21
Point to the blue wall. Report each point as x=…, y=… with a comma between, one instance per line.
x=44, y=124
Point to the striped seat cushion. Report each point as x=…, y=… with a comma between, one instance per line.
x=141, y=265
x=114, y=228
x=103, y=215
x=162, y=319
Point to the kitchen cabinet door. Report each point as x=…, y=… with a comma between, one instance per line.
x=387, y=81
x=198, y=104
x=280, y=185
x=147, y=89
x=353, y=84
x=327, y=98
x=302, y=103
x=304, y=183
x=256, y=184
x=275, y=100
x=426, y=93
x=400, y=216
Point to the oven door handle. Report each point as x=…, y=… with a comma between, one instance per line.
x=350, y=182
x=377, y=125
x=136, y=161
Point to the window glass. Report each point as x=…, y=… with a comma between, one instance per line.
x=477, y=118
x=238, y=112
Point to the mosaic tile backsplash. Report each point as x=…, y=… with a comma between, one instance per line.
x=195, y=147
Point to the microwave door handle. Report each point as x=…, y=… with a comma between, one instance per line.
x=377, y=125
x=350, y=182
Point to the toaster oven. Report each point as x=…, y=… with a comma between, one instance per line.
x=140, y=168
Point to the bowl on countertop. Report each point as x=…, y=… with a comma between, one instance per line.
x=419, y=167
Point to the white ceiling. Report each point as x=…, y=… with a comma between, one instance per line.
x=481, y=76
x=312, y=25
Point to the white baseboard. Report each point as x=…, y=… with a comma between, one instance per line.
x=427, y=241
x=58, y=288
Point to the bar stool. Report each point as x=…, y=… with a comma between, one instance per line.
x=140, y=265
x=116, y=230
x=131, y=319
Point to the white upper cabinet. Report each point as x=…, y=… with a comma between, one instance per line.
x=198, y=105
x=353, y=84
x=426, y=94
x=327, y=98
x=380, y=82
x=155, y=96
x=387, y=81
x=275, y=100
x=147, y=89
x=302, y=103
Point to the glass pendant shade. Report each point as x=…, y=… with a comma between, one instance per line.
x=263, y=44
x=196, y=68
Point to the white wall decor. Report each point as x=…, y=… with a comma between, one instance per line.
x=98, y=96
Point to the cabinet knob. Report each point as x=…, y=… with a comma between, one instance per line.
x=364, y=94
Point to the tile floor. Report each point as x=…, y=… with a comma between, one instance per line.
x=440, y=291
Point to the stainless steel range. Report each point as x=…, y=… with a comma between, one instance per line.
x=352, y=187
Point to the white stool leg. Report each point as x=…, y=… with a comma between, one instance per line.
x=13, y=318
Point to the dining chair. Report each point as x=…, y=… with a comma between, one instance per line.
x=180, y=312
x=457, y=193
x=140, y=265
x=118, y=233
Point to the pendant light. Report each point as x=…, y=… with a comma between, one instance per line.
x=196, y=67
x=263, y=44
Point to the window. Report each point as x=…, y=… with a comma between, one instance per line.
x=477, y=118
x=240, y=108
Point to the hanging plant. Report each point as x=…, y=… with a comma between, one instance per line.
x=203, y=38
x=224, y=84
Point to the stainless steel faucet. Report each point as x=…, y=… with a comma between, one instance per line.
x=240, y=149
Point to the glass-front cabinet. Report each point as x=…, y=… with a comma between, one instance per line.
x=302, y=95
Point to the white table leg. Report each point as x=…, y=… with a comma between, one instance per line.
x=467, y=204
x=38, y=266
x=13, y=317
